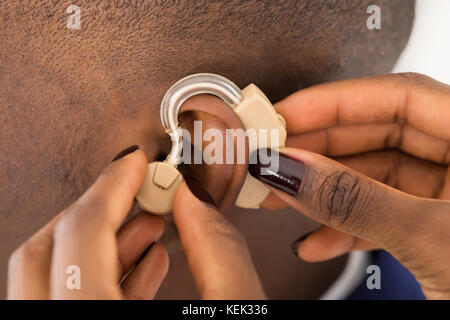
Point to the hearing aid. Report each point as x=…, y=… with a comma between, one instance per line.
x=250, y=105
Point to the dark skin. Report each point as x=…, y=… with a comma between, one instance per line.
x=71, y=99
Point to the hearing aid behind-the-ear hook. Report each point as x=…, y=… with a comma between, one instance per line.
x=250, y=105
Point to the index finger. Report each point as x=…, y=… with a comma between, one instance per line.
x=412, y=99
x=111, y=197
x=85, y=237
x=217, y=253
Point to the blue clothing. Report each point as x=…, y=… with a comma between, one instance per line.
x=397, y=283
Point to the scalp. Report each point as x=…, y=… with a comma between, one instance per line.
x=126, y=44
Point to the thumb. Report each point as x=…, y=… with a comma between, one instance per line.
x=216, y=252
x=339, y=197
x=414, y=230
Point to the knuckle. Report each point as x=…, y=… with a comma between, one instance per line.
x=413, y=77
x=92, y=203
x=15, y=258
x=80, y=216
x=342, y=195
x=63, y=225
x=413, y=81
x=23, y=254
x=227, y=231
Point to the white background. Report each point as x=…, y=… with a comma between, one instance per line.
x=428, y=51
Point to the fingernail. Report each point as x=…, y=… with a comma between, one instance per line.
x=198, y=191
x=123, y=153
x=277, y=170
x=295, y=244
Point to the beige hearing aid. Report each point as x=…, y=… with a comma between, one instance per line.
x=256, y=112
x=253, y=109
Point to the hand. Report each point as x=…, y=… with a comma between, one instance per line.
x=88, y=234
x=216, y=252
x=392, y=185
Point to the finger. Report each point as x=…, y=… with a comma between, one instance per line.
x=399, y=170
x=341, y=198
x=327, y=243
x=136, y=237
x=351, y=139
x=217, y=254
x=412, y=229
x=408, y=174
x=29, y=265
x=145, y=279
x=392, y=99
x=112, y=195
x=86, y=235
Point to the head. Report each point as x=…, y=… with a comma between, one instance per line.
x=71, y=99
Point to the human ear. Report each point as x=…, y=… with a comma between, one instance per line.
x=229, y=144
x=223, y=181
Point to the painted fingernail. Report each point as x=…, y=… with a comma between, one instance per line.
x=295, y=244
x=277, y=170
x=198, y=191
x=124, y=152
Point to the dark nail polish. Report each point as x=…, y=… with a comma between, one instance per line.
x=286, y=175
x=198, y=191
x=294, y=244
x=123, y=153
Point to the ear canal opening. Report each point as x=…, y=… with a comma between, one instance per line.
x=161, y=157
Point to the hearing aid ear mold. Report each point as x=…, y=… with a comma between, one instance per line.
x=253, y=109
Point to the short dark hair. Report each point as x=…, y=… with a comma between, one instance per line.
x=175, y=38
